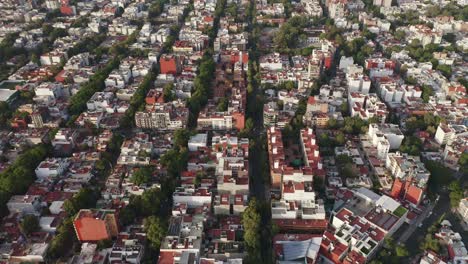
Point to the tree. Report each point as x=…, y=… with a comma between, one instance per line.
x=155, y=231
x=29, y=224
x=440, y=175
x=103, y=244
x=168, y=93
x=411, y=145
x=463, y=162
x=430, y=243
x=142, y=176
x=348, y=171
x=5, y=113
x=289, y=33
x=63, y=241
x=149, y=203
x=332, y=123
x=446, y=70
x=249, y=124
x=340, y=139
x=344, y=108
x=85, y=198
x=456, y=193
x=401, y=251
x=251, y=220
x=223, y=104
x=175, y=161
x=400, y=34
x=127, y=215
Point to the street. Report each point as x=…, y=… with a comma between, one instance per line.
x=407, y=234
x=414, y=239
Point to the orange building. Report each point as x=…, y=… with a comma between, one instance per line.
x=169, y=64
x=239, y=119
x=407, y=191
x=95, y=225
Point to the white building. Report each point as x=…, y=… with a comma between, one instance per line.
x=25, y=204
x=385, y=137
x=446, y=133
x=358, y=82
x=52, y=167
x=192, y=197
x=463, y=210
x=197, y=141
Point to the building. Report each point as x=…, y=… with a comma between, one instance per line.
x=128, y=247
x=184, y=235
x=166, y=116
x=384, y=3
x=303, y=248
x=457, y=252
x=270, y=114
x=361, y=220
x=192, y=197
x=385, y=137
x=424, y=34
x=297, y=208
x=169, y=64
x=410, y=175
x=463, y=209
x=446, y=133
x=310, y=149
x=51, y=168
x=25, y=204
x=431, y=257
x=197, y=141
x=95, y=225
x=275, y=156
x=453, y=152
x=8, y=96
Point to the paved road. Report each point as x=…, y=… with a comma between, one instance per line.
x=442, y=207
x=407, y=234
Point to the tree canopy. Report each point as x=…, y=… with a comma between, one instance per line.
x=29, y=224
x=155, y=230
x=142, y=175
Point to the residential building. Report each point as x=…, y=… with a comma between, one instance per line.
x=24, y=204
x=410, y=175
x=361, y=219
x=446, y=133
x=385, y=137
x=463, y=209
x=95, y=225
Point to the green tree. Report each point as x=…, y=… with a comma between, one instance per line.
x=251, y=220
x=29, y=224
x=223, y=104
x=340, y=139
x=62, y=243
x=332, y=123
x=155, y=231
x=168, y=93
x=5, y=113
x=103, y=244
x=143, y=175
x=446, y=70
x=456, y=193
x=411, y=145
x=463, y=162
x=127, y=215
x=150, y=202
x=400, y=34
x=85, y=198
x=401, y=251
x=430, y=243
x=181, y=138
